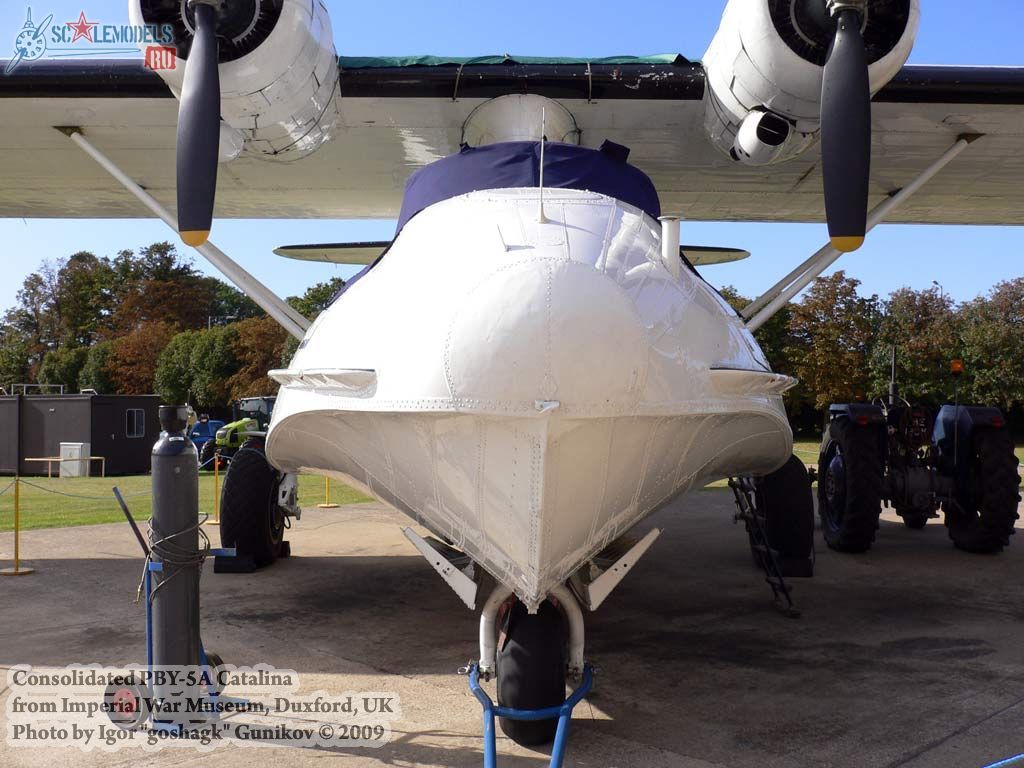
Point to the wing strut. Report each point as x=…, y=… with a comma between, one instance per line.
x=272, y=304
x=771, y=301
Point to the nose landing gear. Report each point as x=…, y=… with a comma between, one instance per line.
x=536, y=654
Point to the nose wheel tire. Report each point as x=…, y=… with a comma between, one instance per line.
x=531, y=666
x=850, y=471
x=983, y=518
x=250, y=518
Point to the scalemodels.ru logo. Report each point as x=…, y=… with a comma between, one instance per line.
x=81, y=37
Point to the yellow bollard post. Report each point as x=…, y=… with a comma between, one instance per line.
x=215, y=520
x=17, y=570
x=327, y=496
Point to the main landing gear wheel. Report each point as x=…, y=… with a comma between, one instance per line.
x=251, y=520
x=982, y=519
x=850, y=486
x=531, y=670
x=786, y=506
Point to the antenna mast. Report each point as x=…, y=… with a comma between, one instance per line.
x=894, y=390
x=541, y=218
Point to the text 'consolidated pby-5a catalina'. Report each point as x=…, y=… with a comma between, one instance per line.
x=533, y=364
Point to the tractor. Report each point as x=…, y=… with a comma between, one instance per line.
x=960, y=460
x=250, y=414
x=204, y=431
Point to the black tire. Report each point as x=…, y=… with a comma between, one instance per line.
x=531, y=670
x=914, y=518
x=250, y=518
x=850, y=472
x=206, y=453
x=785, y=500
x=983, y=518
x=128, y=703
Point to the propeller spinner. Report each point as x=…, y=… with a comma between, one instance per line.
x=199, y=129
x=846, y=128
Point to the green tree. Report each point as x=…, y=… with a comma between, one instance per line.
x=212, y=364
x=13, y=359
x=95, y=373
x=84, y=298
x=63, y=366
x=925, y=328
x=993, y=346
x=173, y=379
x=317, y=298
x=832, y=333
x=228, y=303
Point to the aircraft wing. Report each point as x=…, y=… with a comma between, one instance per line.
x=397, y=117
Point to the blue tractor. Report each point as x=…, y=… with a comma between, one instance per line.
x=204, y=431
x=960, y=460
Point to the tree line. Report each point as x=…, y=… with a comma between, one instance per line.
x=839, y=344
x=148, y=321
x=145, y=322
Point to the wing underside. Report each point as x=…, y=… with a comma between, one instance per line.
x=397, y=119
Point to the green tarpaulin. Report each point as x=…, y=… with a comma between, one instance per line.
x=367, y=62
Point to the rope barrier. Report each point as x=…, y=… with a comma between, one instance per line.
x=9, y=486
x=81, y=496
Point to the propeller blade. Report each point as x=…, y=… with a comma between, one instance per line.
x=846, y=134
x=199, y=131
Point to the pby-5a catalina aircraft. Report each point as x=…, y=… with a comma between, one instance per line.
x=533, y=365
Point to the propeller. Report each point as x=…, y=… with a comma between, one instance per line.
x=199, y=129
x=846, y=130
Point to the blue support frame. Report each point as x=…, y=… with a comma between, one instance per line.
x=212, y=692
x=563, y=712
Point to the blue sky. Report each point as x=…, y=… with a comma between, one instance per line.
x=952, y=32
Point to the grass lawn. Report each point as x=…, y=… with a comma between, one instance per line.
x=88, y=501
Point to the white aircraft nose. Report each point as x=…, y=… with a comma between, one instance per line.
x=543, y=330
x=537, y=387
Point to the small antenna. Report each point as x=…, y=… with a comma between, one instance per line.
x=541, y=218
x=894, y=390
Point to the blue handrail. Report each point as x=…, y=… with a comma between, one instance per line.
x=1007, y=761
x=563, y=712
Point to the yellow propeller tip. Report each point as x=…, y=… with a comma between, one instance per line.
x=847, y=244
x=195, y=238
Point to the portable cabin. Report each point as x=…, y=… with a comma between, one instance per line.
x=120, y=429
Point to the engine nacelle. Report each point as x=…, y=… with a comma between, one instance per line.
x=765, y=66
x=279, y=72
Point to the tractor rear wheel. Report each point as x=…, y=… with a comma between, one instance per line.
x=251, y=520
x=206, y=454
x=982, y=519
x=531, y=670
x=850, y=472
x=786, y=506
